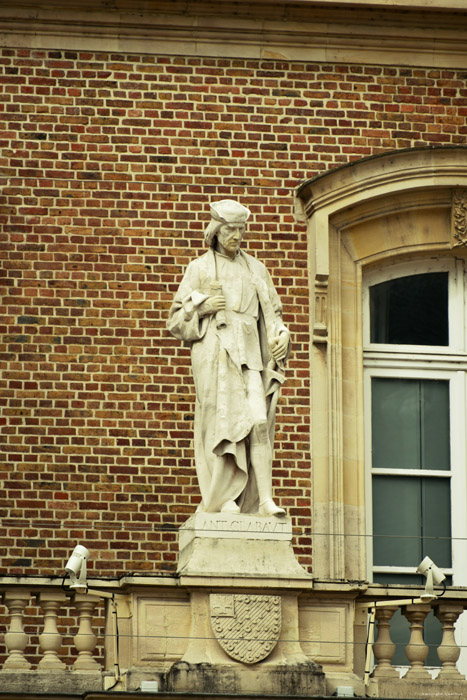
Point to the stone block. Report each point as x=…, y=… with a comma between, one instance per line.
x=405, y=689
x=305, y=678
x=223, y=544
x=73, y=682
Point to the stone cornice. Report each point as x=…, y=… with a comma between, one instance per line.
x=431, y=33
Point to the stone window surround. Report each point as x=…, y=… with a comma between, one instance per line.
x=379, y=211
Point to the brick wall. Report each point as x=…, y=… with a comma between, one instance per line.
x=108, y=164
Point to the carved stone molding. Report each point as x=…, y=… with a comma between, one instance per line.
x=285, y=30
x=246, y=626
x=320, y=326
x=459, y=217
x=361, y=213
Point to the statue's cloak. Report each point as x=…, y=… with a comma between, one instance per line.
x=223, y=417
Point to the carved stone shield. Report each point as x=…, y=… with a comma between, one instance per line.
x=246, y=626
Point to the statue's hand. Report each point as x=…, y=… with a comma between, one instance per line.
x=279, y=346
x=212, y=305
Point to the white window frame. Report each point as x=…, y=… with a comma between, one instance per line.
x=425, y=362
x=456, y=474
x=456, y=291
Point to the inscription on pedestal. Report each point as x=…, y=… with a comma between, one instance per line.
x=249, y=524
x=230, y=544
x=246, y=626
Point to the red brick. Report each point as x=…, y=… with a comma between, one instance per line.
x=105, y=204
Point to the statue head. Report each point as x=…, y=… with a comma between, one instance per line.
x=227, y=211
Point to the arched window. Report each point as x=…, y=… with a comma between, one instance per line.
x=388, y=364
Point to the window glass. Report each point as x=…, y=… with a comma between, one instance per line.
x=432, y=635
x=404, y=579
x=410, y=423
x=411, y=520
x=410, y=310
x=400, y=635
x=413, y=465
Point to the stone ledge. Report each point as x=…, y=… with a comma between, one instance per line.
x=298, y=679
x=406, y=689
x=37, y=681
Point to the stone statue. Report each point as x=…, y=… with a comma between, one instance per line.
x=228, y=311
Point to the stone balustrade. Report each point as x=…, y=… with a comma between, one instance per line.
x=80, y=670
x=416, y=650
x=50, y=601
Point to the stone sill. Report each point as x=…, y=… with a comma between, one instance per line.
x=112, y=583
x=324, y=586
x=382, y=591
x=129, y=582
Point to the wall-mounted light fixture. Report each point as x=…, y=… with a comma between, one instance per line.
x=434, y=577
x=76, y=568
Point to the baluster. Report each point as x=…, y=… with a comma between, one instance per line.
x=16, y=639
x=416, y=649
x=384, y=647
x=51, y=640
x=448, y=651
x=85, y=640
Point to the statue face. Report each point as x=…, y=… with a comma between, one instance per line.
x=229, y=237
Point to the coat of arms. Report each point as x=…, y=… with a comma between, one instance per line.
x=246, y=626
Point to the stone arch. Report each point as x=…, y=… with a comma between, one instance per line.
x=395, y=206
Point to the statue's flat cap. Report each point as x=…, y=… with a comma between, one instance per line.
x=229, y=211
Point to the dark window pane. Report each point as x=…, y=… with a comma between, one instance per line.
x=434, y=424
x=432, y=635
x=400, y=635
x=395, y=406
x=397, y=527
x=436, y=521
x=405, y=579
x=410, y=310
x=410, y=423
x=411, y=520
x=399, y=579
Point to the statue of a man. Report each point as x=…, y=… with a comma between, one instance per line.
x=229, y=312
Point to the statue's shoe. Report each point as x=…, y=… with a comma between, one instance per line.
x=230, y=507
x=268, y=507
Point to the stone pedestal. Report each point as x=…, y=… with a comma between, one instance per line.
x=244, y=583
x=239, y=546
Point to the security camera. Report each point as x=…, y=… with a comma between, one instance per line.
x=434, y=577
x=76, y=567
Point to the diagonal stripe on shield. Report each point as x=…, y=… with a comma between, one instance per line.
x=246, y=626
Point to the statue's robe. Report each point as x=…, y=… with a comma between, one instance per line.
x=223, y=418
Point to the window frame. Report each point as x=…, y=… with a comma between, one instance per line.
x=423, y=362
x=456, y=290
